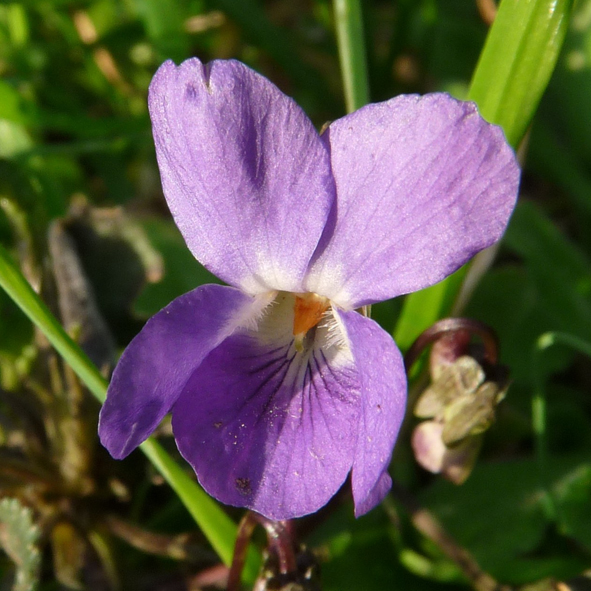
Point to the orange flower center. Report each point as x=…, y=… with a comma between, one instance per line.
x=308, y=310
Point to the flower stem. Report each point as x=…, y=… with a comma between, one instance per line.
x=279, y=540
x=448, y=326
x=350, y=39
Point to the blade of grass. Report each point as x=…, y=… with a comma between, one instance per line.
x=18, y=288
x=349, y=29
x=219, y=529
x=513, y=71
x=517, y=61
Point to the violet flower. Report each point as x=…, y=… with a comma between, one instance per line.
x=278, y=388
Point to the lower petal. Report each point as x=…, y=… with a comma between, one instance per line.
x=383, y=400
x=269, y=428
x=158, y=362
x=375, y=496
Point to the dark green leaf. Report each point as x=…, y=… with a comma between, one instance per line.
x=498, y=515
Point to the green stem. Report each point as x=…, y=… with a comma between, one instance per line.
x=219, y=529
x=350, y=39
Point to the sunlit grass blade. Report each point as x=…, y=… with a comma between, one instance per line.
x=512, y=73
x=18, y=288
x=517, y=61
x=219, y=529
x=349, y=29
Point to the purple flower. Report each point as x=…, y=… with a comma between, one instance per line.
x=278, y=388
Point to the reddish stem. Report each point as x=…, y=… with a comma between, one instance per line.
x=449, y=326
x=279, y=539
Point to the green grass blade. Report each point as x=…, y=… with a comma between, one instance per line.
x=18, y=288
x=512, y=73
x=219, y=529
x=517, y=61
x=349, y=28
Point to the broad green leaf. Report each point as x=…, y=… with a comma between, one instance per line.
x=575, y=510
x=539, y=405
x=566, y=105
x=498, y=516
x=561, y=164
x=552, y=292
x=561, y=272
x=509, y=300
x=362, y=554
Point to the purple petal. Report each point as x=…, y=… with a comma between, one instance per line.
x=423, y=184
x=268, y=429
x=244, y=172
x=375, y=496
x=158, y=362
x=383, y=400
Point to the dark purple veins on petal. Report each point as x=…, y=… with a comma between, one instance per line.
x=268, y=428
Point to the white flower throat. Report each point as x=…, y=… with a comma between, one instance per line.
x=307, y=321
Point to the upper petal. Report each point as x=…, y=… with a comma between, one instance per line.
x=244, y=172
x=268, y=428
x=158, y=362
x=423, y=183
x=382, y=379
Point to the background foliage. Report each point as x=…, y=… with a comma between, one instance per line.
x=79, y=182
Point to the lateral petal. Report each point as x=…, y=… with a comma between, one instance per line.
x=158, y=362
x=245, y=174
x=382, y=378
x=269, y=428
x=423, y=184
